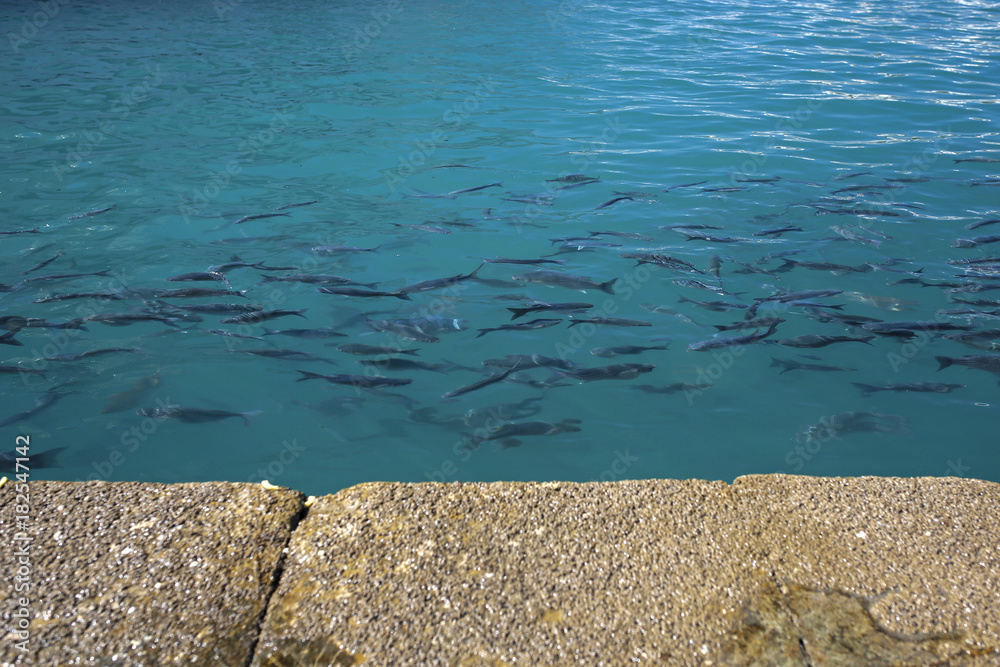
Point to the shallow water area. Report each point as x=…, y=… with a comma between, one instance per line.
x=398, y=142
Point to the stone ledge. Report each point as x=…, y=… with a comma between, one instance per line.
x=144, y=574
x=770, y=570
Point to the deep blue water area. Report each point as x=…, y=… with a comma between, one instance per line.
x=712, y=151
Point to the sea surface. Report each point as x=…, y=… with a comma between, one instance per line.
x=136, y=135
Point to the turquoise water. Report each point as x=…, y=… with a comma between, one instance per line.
x=187, y=116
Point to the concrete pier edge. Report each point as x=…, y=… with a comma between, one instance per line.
x=768, y=570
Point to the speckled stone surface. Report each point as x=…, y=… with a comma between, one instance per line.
x=770, y=570
x=144, y=574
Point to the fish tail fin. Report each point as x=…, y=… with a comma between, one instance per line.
x=267, y=279
x=573, y=323
x=944, y=362
x=8, y=338
x=866, y=389
x=867, y=340
x=519, y=312
x=721, y=327
x=837, y=306
x=414, y=351
x=683, y=299
x=309, y=375
x=299, y=312
x=249, y=416
x=475, y=271
x=608, y=286
x=105, y=272
x=269, y=332
x=401, y=295
x=369, y=285
x=483, y=332
x=787, y=266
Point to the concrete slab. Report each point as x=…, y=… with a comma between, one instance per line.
x=770, y=570
x=142, y=574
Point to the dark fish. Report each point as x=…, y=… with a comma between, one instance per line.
x=755, y=323
x=976, y=158
x=196, y=415
x=613, y=321
x=839, y=269
x=354, y=291
x=983, y=362
x=338, y=249
x=661, y=260
x=819, y=341
x=43, y=263
x=18, y=369
x=230, y=334
x=975, y=241
x=936, y=387
x=356, y=381
x=748, y=268
x=301, y=203
x=65, y=276
x=983, y=223
x=294, y=355
x=714, y=264
x=778, y=231
x=33, y=230
x=397, y=364
x=507, y=431
x=693, y=225
x=793, y=365
x=16, y=322
x=683, y=282
x=425, y=228
x=8, y=338
x=201, y=275
x=258, y=316
x=479, y=384
x=507, y=260
x=429, y=323
x=125, y=319
x=193, y=292
x=785, y=297
x=717, y=343
x=542, y=305
x=560, y=279
x=44, y=401
x=843, y=423
x=526, y=361
x=240, y=240
x=130, y=397
x=683, y=185
x=476, y=189
x=612, y=372
x=315, y=279
x=613, y=201
x=775, y=255
x=879, y=327
x=221, y=308
x=238, y=263
x=520, y=326
x=101, y=296
x=717, y=306
x=305, y=333
x=852, y=175
x=693, y=234
x=606, y=352
x=90, y=213
x=671, y=388
x=437, y=283
x=92, y=353
x=359, y=348
x=572, y=178
x=624, y=235
x=259, y=216
x=46, y=459
x=723, y=189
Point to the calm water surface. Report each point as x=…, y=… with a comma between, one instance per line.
x=183, y=117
